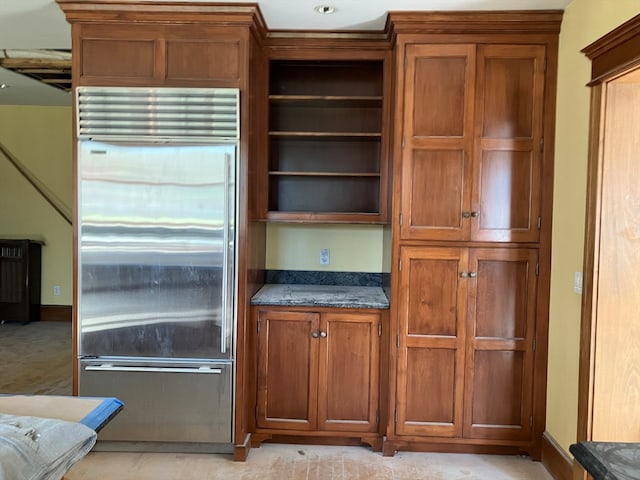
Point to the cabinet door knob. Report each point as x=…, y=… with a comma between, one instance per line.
x=473, y=274
x=475, y=214
x=464, y=274
x=466, y=214
x=315, y=334
x=323, y=334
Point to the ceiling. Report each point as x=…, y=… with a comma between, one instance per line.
x=37, y=32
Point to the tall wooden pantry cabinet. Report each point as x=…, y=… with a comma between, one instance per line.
x=471, y=233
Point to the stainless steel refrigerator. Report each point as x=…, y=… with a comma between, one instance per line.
x=156, y=257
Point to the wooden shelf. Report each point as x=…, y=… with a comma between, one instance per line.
x=325, y=140
x=325, y=134
x=316, y=100
x=325, y=174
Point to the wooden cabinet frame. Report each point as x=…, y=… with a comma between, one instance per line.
x=606, y=339
x=318, y=373
x=350, y=49
x=467, y=176
x=489, y=30
x=152, y=39
x=465, y=353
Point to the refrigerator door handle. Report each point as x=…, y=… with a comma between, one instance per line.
x=225, y=267
x=107, y=367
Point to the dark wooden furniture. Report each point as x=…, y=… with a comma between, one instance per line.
x=471, y=230
x=20, y=280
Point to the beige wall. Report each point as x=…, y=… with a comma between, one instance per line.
x=40, y=138
x=353, y=248
x=584, y=21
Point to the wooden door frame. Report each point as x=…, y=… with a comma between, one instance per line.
x=611, y=56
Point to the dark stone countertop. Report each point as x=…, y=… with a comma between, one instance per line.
x=321, y=296
x=609, y=460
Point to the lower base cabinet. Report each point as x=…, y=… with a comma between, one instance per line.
x=318, y=373
x=465, y=347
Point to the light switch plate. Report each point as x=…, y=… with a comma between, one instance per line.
x=577, y=282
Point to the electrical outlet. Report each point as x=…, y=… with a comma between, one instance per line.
x=325, y=256
x=56, y=290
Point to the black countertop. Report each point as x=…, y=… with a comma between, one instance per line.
x=609, y=460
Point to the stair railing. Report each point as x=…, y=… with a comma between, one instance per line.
x=51, y=198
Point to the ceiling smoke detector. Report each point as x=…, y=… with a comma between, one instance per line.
x=325, y=9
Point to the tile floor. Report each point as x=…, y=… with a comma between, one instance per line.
x=304, y=462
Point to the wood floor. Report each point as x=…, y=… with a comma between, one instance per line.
x=36, y=358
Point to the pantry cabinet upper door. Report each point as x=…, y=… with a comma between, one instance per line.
x=509, y=143
x=437, y=141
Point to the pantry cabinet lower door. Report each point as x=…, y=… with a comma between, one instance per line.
x=500, y=348
x=430, y=378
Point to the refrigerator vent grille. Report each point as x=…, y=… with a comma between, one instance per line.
x=157, y=113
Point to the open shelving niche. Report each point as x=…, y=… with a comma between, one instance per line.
x=325, y=140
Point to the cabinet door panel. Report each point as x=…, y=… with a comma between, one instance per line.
x=438, y=141
x=432, y=296
x=502, y=298
x=119, y=58
x=203, y=60
x=508, y=146
x=435, y=194
x=440, y=82
x=500, y=333
x=505, y=190
x=287, y=370
x=432, y=306
x=348, y=372
x=431, y=407
x=498, y=383
x=508, y=99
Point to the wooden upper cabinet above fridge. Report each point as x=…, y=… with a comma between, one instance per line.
x=160, y=55
x=472, y=142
